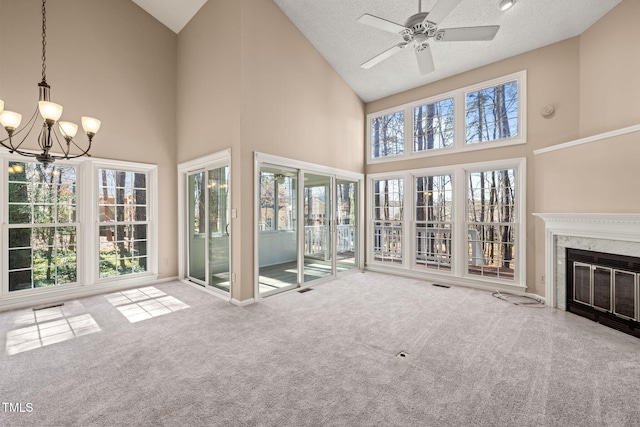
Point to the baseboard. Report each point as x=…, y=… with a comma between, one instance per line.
x=55, y=295
x=242, y=303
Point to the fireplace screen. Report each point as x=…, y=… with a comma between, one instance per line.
x=605, y=288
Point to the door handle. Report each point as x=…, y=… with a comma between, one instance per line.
x=226, y=229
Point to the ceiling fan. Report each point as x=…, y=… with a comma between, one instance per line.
x=419, y=28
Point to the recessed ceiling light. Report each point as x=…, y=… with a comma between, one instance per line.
x=506, y=4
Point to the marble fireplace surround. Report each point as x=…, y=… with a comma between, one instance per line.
x=610, y=233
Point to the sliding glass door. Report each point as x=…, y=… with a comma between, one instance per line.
x=307, y=227
x=208, y=228
x=318, y=227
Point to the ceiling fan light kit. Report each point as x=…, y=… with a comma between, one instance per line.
x=506, y=4
x=418, y=29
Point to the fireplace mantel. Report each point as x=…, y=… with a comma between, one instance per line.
x=595, y=229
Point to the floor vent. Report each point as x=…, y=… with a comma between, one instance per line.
x=43, y=307
x=302, y=291
x=402, y=354
x=441, y=286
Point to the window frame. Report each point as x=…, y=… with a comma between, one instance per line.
x=459, y=238
x=459, y=141
x=87, y=221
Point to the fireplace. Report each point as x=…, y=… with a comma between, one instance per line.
x=617, y=234
x=604, y=288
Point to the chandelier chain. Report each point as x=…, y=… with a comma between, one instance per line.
x=44, y=41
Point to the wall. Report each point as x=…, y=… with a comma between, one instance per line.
x=109, y=60
x=265, y=89
x=551, y=72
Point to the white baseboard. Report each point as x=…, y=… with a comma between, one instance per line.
x=242, y=303
x=37, y=297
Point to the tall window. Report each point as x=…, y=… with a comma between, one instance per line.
x=492, y=113
x=387, y=135
x=433, y=222
x=433, y=125
x=388, y=214
x=42, y=225
x=492, y=222
x=123, y=225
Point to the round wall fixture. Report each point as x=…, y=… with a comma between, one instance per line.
x=548, y=111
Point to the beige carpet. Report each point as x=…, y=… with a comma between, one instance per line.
x=175, y=356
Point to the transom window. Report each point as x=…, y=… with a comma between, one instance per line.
x=485, y=115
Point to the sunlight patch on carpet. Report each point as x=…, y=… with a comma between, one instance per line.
x=144, y=303
x=35, y=329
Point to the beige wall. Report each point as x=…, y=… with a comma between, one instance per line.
x=110, y=60
x=249, y=80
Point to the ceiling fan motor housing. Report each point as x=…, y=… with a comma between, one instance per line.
x=417, y=24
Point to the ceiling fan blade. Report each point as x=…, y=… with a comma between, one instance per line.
x=381, y=24
x=441, y=10
x=425, y=59
x=463, y=34
x=384, y=55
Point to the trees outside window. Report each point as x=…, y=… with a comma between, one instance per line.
x=492, y=222
x=387, y=135
x=123, y=226
x=433, y=222
x=388, y=214
x=481, y=116
x=42, y=229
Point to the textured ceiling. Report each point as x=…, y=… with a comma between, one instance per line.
x=330, y=25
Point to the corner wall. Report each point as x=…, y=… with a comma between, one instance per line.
x=275, y=95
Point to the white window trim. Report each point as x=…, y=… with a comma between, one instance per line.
x=458, y=274
x=459, y=144
x=151, y=171
x=87, y=211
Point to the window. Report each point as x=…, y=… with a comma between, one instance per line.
x=123, y=226
x=492, y=223
x=433, y=222
x=492, y=113
x=75, y=223
x=42, y=235
x=485, y=115
x=464, y=221
x=277, y=198
x=387, y=135
x=433, y=125
x=388, y=220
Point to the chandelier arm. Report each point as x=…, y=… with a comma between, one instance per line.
x=84, y=152
x=30, y=124
x=65, y=151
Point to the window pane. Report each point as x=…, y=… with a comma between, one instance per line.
x=492, y=223
x=387, y=135
x=123, y=199
x=433, y=125
x=492, y=113
x=388, y=221
x=433, y=238
x=19, y=237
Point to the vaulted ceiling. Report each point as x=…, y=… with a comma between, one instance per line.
x=332, y=28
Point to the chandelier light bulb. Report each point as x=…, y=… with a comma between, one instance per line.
x=68, y=129
x=506, y=4
x=1, y=106
x=10, y=120
x=50, y=110
x=91, y=125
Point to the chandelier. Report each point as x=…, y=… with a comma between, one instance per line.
x=51, y=113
